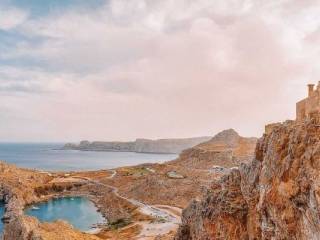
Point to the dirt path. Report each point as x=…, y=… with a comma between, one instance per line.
x=114, y=173
x=167, y=218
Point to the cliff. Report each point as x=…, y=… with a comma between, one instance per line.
x=275, y=196
x=139, y=145
x=226, y=149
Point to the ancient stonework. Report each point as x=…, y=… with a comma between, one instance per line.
x=309, y=106
x=276, y=196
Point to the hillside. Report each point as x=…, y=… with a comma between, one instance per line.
x=226, y=149
x=179, y=181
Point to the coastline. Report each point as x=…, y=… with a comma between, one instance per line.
x=107, y=150
x=81, y=187
x=136, y=200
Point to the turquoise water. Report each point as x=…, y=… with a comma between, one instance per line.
x=78, y=211
x=1, y=215
x=45, y=157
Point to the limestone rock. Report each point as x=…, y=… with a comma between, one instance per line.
x=275, y=196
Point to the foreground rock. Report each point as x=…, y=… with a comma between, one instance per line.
x=276, y=196
x=25, y=228
x=140, y=145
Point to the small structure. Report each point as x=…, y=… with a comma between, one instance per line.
x=174, y=174
x=310, y=106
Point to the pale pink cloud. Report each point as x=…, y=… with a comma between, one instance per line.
x=164, y=69
x=11, y=17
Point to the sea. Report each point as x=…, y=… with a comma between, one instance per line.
x=50, y=157
x=78, y=211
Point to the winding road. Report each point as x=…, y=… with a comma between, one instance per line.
x=168, y=220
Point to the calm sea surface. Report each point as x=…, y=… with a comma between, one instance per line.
x=78, y=211
x=47, y=157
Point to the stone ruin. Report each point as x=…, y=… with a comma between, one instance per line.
x=306, y=109
x=309, y=107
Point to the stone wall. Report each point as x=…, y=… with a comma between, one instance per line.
x=308, y=106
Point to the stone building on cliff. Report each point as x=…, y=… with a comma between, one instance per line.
x=309, y=106
x=305, y=109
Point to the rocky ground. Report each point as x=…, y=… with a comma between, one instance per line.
x=276, y=196
x=176, y=182
x=140, y=202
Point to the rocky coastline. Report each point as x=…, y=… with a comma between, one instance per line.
x=149, y=207
x=159, y=146
x=238, y=190
x=119, y=211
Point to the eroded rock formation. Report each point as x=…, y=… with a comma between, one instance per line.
x=276, y=196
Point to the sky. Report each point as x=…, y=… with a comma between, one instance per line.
x=124, y=69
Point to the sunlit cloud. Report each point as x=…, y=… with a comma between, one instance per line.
x=11, y=17
x=154, y=69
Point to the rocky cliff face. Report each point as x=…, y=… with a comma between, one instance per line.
x=276, y=196
x=140, y=145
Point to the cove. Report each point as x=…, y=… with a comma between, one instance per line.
x=1, y=215
x=80, y=212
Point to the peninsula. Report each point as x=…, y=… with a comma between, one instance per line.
x=173, y=145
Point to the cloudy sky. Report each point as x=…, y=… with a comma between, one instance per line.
x=121, y=69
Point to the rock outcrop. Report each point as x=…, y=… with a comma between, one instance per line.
x=226, y=149
x=25, y=228
x=275, y=196
x=139, y=145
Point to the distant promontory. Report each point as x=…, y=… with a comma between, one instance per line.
x=174, y=145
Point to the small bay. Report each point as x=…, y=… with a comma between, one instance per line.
x=80, y=212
